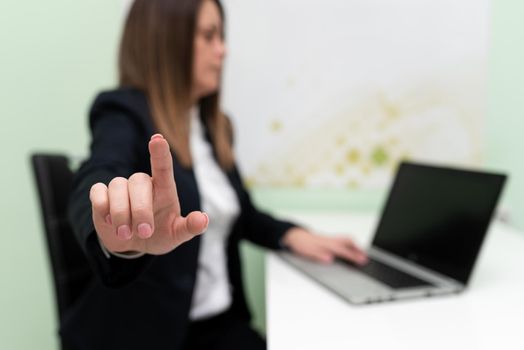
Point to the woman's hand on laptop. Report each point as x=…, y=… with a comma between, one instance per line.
x=321, y=248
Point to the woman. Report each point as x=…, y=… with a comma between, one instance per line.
x=161, y=153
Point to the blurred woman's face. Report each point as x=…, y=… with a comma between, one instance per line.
x=209, y=49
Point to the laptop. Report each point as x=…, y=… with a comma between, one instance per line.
x=426, y=242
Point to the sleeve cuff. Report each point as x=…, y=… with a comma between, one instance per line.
x=129, y=255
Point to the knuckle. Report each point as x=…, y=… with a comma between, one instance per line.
x=118, y=213
x=97, y=188
x=98, y=198
x=118, y=181
x=142, y=211
x=96, y=194
x=139, y=177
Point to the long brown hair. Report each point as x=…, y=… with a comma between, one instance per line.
x=156, y=56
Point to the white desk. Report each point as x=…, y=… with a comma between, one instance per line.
x=302, y=314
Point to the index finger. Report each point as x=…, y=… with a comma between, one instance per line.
x=161, y=163
x=350, y=244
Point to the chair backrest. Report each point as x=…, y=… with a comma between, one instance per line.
x=71, y=271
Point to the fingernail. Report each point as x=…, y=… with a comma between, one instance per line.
x=145, y=230
x=123, y=232
x=157, y=136
x=207, y=222
x=108, y=219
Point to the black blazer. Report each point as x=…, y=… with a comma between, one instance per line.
x=144, y=303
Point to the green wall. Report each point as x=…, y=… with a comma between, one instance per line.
x=55, y=54
x=505, y=125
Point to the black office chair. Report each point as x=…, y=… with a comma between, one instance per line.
x=71, y=271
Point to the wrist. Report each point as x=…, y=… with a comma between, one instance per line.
x=128, y=254
x=292, y=236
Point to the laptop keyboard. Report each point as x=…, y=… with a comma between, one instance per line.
x=388, y=275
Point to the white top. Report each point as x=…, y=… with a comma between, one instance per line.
x=212, y=293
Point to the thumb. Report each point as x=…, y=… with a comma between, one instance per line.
x=192, y=225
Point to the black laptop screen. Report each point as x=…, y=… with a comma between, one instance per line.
x=438, y=217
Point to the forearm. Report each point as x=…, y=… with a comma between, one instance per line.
x=265, y=230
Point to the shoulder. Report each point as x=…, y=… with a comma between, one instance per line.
x=129, y=103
